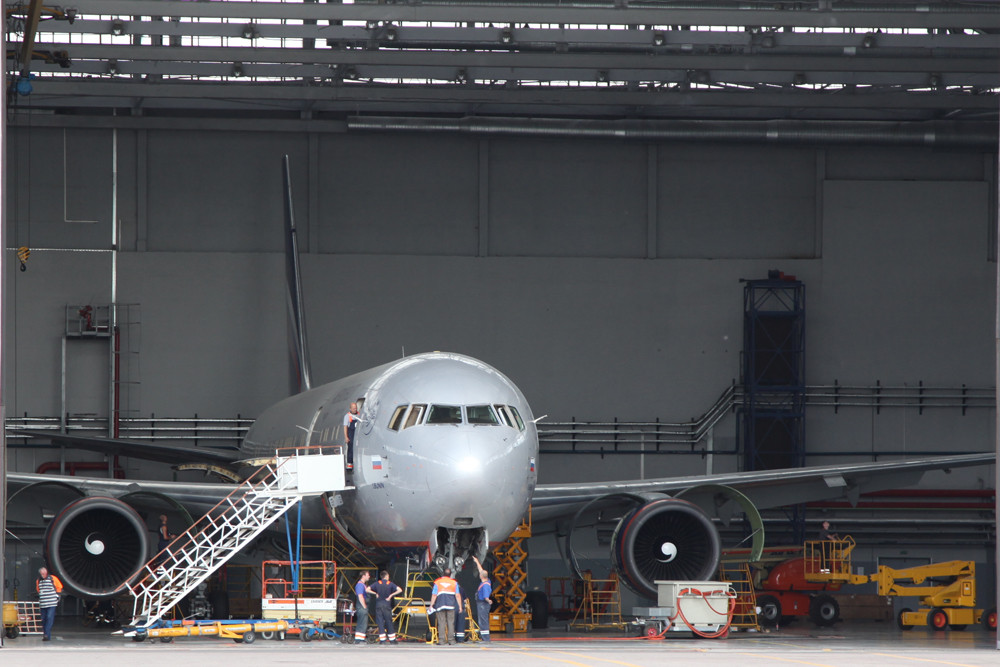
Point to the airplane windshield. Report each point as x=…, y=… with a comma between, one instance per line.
x=416, y=412
x=517, y=417
x=444, y=414
x=481, y=414
x=397, y=417
x=405, y=416
x=504, y=415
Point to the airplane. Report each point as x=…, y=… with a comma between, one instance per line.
x=446, y=464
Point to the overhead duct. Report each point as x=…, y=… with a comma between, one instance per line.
x=936, y=134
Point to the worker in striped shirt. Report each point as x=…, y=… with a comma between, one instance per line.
x=49, y=587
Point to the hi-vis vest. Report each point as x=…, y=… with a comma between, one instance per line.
x=446, y=589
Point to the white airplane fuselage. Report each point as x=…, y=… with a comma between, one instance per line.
x=445, y=452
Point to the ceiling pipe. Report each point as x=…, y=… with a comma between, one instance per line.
x=937, y=134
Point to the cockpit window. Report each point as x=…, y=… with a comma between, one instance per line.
x=397, y=418
x=480, y=414
x=517, y=417
x=415, y=414
x=505, y=417
x=444, y=414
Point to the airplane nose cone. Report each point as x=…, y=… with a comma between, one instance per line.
x=481, y=465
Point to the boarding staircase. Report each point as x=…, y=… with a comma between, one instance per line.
x=233, y=523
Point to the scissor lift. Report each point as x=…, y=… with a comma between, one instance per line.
x=232, y=524
x=511, y=575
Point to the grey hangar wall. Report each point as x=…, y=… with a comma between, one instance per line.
x=602, y=276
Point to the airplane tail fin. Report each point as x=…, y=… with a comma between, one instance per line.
x=297, y=323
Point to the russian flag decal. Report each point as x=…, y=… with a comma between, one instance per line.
x=376, y=463
x=532, y=464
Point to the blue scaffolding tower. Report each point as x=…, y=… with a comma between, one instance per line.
x=773, y=370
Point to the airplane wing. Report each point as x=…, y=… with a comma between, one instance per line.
x=666, y=527
x=765, y=488
x=143, y=450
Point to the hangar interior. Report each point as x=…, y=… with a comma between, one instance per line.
x=573, y=193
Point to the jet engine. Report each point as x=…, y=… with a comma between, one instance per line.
x=96, y=546
x=666, y=539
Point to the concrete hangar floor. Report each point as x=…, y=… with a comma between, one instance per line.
x=853, y=643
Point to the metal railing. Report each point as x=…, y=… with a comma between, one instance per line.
x=594, y=437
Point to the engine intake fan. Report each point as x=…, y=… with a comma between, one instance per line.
x=666, y=539
x=96, y=546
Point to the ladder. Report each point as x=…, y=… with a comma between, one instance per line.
x=602, y=606
x=740, y=578
x=233, y=523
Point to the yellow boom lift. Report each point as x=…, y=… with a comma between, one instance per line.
x=946, y=591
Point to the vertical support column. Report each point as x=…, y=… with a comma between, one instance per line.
x=484, y=198
x=819, y=185
x=141, y=190
x=113, y=367
x=3, y=306
x=312, y=215
x=996, y=426
x=652, y=200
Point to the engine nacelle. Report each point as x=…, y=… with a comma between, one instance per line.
x=665, y=540
x=96, y=546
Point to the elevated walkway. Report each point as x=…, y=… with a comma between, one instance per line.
x=236, y=521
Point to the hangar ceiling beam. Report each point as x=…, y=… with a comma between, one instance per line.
x=140, y=97
x=633, y=59
x=815, y=14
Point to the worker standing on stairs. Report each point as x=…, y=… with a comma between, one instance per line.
x=362, y=591
x=351, y=420
x=165, y=538
x=385, y=590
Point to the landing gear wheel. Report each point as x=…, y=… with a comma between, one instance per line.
x=937, y=619
x=824, y=610
x=899, y=619
x=538, y=603
x=989, y=620
x=770, y=610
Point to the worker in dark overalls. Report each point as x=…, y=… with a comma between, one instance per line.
x=385, y=590
x=361, y=590
x=483, y=601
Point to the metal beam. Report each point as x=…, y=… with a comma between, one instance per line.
x=833, y=14
x=662, y=59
